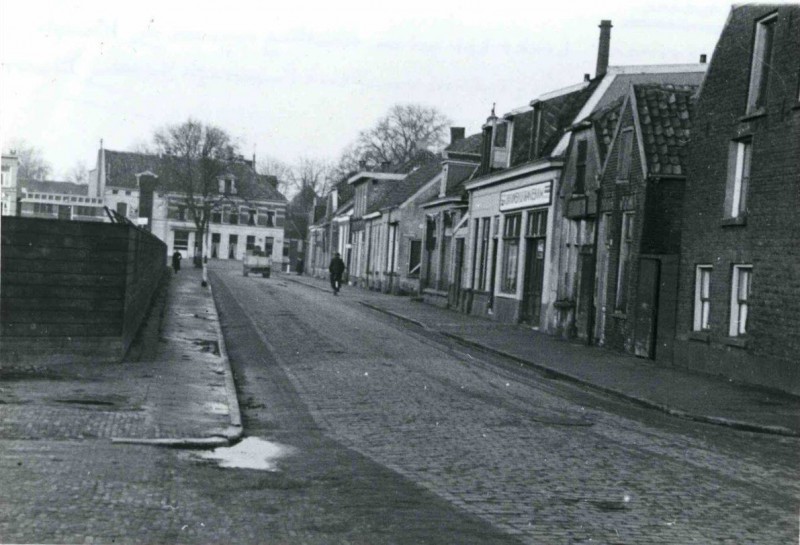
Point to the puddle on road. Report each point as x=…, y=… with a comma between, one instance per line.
x=250, y=453
x=217, y=408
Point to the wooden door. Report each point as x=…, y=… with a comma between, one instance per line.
x=644, y=336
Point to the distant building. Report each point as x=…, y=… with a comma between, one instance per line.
x=739, y=300
x=59, y=200
x=9, y=184
x=248, y=211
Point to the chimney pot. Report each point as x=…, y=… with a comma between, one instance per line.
x=604, y=48
x=456, y=134
x=703, y=58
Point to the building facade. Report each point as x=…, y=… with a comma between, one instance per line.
x=739, y=298
x=248, y=212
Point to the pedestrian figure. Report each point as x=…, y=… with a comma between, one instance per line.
x=336, y=268
x=176, y=261
x=300, y=265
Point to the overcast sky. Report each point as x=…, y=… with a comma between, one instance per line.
x=302, y=79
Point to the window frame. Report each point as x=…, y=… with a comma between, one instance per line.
x=740, y=165
x=625, y=155
x=512, y=228
x=625, y=245
x=581, y=154
x=701, y=321
x=175, y=245
x=760, y=62
x=740, y=306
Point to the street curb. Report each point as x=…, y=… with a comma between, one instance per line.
x=234, y=412
x=183, y=443
x=643, y=402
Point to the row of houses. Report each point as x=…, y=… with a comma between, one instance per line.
x=248, y=210
x=648, y=209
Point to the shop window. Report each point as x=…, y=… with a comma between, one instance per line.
x=740, y=299
x=702, y=298
x=511, y=232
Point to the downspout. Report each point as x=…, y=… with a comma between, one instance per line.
x=593, y=313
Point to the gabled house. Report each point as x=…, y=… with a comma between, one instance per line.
x=640, y=207
x=578, y=198
x=515, y=274
x=446, y=229
x=248, y=211
x=739, y=300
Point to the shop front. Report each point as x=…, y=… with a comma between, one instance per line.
x=510, y=249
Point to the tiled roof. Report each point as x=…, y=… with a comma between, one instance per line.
x=59, y=188
x=387, y=194
x=665, y=116
x=604, y=123
x=122, y=168
x=470, y=145
x=457, y=177
x=557, y=115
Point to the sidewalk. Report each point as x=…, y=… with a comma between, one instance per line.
x=674, y=391
x=176, y=389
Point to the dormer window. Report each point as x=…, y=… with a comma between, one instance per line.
x=227, y=186
x=500, y=145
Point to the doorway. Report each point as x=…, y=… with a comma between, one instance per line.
x=644, y=333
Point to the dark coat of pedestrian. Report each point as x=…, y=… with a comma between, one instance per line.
x=176, y=261
x=336, y=268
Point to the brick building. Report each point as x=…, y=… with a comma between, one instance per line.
x=638, y=238
x=739, y=300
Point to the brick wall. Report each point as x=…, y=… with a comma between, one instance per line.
x=74, y=290
x=769, y=353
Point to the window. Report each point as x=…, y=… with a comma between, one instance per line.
x=414, y=257
x=702, y=298
x=122, y=209
x=500, y=135
x=740, y=296
x=180, y=240
x=228, y=186
x=128, y=193
x=216, y=216
x=761, y=63
x=625, y=150
x=580, y=168
x=739, y=160
x=114, y=191
x=483, y=226
x=391, y=255
x=251, y=219
x=499, y=146
x=537, y=224
x=244, y=216
x=511, y=232
x=626, y=240
x=233, y=218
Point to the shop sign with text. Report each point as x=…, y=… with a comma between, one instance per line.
x=526, y=197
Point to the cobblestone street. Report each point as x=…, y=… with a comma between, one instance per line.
x=399, y=436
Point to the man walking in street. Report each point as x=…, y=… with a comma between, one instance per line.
x=336, y=268
x=176, y=261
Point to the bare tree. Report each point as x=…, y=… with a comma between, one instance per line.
x=79, y=173
x=197, y=155
x=32, y=165
x=281, y=170
x=406, y=130
x=312, y=173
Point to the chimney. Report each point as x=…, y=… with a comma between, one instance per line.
x=703, y=58
x=456, y=134
x=603, y=48
x=587, y=77
x=362, y=165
